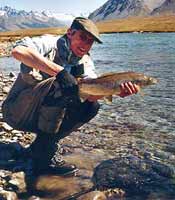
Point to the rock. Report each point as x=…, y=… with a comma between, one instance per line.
x=8, y=195
x=1, y=116
x=18, y=180
x=95, y=195
x=134, y=175
x=16, y=133
x=6, y=127
x=34, y=198
x=1, y=97
x=8, y=152
x=14, y=139
x=11, y=75
x=113, y=194
x=6, y=90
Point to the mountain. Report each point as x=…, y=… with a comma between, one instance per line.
x=167, y=6
x=114, y=9
x=12, y=19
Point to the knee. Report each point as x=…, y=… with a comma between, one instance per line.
x=90, y=110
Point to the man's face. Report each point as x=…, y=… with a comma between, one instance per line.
x=80, y=42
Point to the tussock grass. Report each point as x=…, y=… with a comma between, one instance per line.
x=165, y=23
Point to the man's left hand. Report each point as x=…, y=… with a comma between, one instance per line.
x=128, y=88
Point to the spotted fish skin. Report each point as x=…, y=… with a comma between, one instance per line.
x=109, y=84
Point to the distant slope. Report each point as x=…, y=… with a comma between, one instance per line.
x=12, y=19
x=161, y=23
x=116, y=9
x=167, y=7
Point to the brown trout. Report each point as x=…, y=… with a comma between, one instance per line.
x=109, y=84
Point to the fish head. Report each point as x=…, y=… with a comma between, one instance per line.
x=144, y=81
x=152, y=81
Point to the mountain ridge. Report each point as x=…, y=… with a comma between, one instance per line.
x=13, y=19
x=117, y=9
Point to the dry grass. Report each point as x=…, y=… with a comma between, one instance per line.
x=164, y=23
x=14, y=35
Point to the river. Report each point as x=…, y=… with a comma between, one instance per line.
x=149, y=117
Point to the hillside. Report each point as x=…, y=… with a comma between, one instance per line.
x=117, y=9
x=163, y=23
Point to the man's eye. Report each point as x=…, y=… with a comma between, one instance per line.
x=83, y=37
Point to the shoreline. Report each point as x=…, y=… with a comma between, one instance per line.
x=7, y=43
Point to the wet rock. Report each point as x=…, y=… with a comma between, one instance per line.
x=1, y=116
x=34, y=198
x=6, y=90
x=16, y=132
x=6, y=127
x=11, y=75
x=95, y=195
x=8, y=154
x=113, y=194
x=164, y=170
x=8, y=195
x=134, y=175
x=18, y=181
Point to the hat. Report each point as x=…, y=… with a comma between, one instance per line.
x=87, y=25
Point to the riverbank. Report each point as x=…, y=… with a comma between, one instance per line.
x=5, y=48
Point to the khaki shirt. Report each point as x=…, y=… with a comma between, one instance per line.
x=23, y=107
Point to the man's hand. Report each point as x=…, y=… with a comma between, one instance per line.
x=128, y=88
x=94, y=98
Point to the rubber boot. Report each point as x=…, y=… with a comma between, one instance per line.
x=44, y=149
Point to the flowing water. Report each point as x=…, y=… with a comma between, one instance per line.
x=149, y=118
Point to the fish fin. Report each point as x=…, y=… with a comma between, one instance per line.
x=108, y=99
x=83, y=96
x=141, y=93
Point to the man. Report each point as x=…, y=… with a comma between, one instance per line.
x=44, y=99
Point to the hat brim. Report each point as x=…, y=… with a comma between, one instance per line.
x=95, y=37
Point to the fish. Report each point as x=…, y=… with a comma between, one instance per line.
x=108, y=84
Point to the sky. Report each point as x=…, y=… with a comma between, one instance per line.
x=61, y=6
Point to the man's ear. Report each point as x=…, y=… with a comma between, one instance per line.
x=70, y=32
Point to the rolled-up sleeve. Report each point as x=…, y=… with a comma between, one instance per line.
x=42, y=44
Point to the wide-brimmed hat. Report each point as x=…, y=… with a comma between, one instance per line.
x=87, y=25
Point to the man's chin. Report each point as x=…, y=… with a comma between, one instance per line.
x=79, y=54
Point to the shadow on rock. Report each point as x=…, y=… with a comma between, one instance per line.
x=14, y=165
x=13, y=157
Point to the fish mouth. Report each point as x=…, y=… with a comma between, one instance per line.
x=154, y=80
